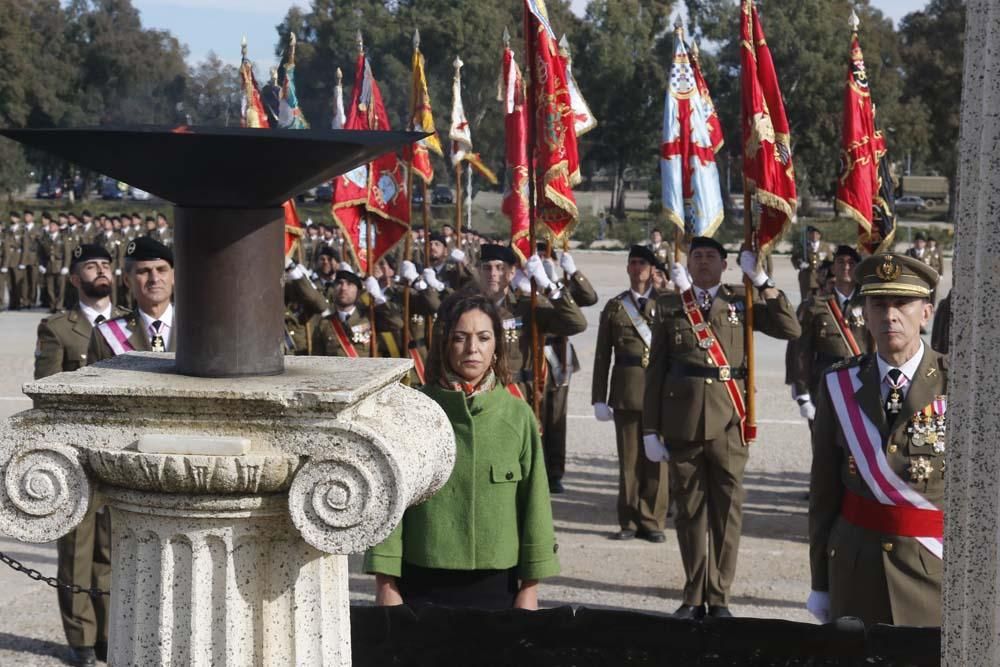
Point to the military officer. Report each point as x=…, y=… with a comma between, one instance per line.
x=557, y=313
x=424, y=304
x=941, y=331
x=13, y=240
x=833, y=329
x=931, y=257
x=89, y=230
x=30, y=248
x=694, y=402
x=446, y=268
x=346, y=331
x=879, y=447
x=149, y=275
x=304, y=305
x=625, y=333
x=806, y=258
x=110, y=240
x=54, y=264
x=84, y=554
x=164, y=234
x=662, y=251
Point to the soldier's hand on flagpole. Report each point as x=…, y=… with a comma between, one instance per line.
x=458, y=256
x=806, y=407
x=679, y=276
x=536, y=270
x=804, y=265
x=63, y=271
x=567, y=264
x=655, y=450
x=748, y=262
x=431, y=279
x=373, y=289
x=294, y=271
x=603, y=413
x=521, y=282
x=408, y=271
x=818, y=604
x=42, y=270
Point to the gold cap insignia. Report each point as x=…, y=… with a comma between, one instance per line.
x=888, y=270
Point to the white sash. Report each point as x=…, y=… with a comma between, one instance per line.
x=865, y=442
x=638, y=321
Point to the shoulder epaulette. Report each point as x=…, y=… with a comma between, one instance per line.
x=848, y=363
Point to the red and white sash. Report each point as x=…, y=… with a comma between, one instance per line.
x=865, y=443
x=116, y=336
x=708, y=341
x=345, y=341
x=418, y=365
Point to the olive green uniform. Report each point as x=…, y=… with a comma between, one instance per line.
x=99, y=350
x=879, y=578
x=84, y=554
x=821, y=344
x=303, y=304
x=30, y=248
x=941, y=332
x=113, y=244
x=358, y=330
x=424, y=305
x=696, y=418
x=642, y=484
x=809, y=276
x=13, y=238
x=55, y=257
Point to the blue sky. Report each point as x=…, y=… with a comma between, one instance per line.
x=206, y=25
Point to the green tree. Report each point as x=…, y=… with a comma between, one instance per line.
x=213, y=92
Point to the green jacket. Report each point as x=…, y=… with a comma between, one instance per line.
x=494, y=512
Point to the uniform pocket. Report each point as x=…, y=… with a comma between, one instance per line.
x=501, y=474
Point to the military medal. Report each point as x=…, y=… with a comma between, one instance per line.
x=921, y=469
x=706, y=343
x=157, y=344
x=895, y=403
x=645, y=357
x=678, y=339
x=940, y=407
x=734, y=317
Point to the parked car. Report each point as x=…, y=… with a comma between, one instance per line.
x=442, y=195
x=418, y=197
x=138, y=195
x=324, y=192
x=110, y=190
x=49, y=188
x=910, y=203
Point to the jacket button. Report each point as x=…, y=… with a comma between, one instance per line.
x=555, y=548
x=892, y=449
x=510, y=475
x=887, y=547
x=833, y=552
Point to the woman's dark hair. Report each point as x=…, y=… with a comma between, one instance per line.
x=451, y=311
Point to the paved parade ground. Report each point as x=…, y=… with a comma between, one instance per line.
x=773, y=574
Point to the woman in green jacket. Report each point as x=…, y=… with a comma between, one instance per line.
x=486, y=538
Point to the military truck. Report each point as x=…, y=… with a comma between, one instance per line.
x=932, y=189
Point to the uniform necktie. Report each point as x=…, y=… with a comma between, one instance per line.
x=99, y=319
x=642, y=303
x=156, y=340
x=894, y=401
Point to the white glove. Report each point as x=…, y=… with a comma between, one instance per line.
x=289, y=263
x=655, y=449
x=818, y=604
x=295, y=271
x=806, y=407
x=63, y=271
x=521, y=282
x=42, y=269
x=804, y=265
x=602, y=412
x=748, y=262
x=344, y=266
x=567, y=264
x=420, y=285
x=118, y=272
x=3, y=270
x=20, y=267
x=431, y=279
x=679, y=276
x=372, y=287
x=536, y=270
x=408, y=272
x=458, y=255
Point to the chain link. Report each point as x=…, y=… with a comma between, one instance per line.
x=51, y=581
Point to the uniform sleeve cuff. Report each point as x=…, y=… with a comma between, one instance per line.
x=380, y=564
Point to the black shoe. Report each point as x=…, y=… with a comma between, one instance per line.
x=690, y=611
x=556, y=486
x=624, y=534
x=101, y=651
x=82, y=656
x=654, y=536
x=719, y=611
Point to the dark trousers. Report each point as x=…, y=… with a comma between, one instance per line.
x=85, y=560
x=29, y=287
x=707, y=486
x=643, y=493
x=554, y=431
x=15, y=278
x=55, y=288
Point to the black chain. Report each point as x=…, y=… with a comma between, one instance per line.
x=51, y=581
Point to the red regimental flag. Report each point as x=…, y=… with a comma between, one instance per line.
x=767, y=152
x=862, y=147
x=515, y=198
x=557, y=164
x=252, y=108
x=293, y=228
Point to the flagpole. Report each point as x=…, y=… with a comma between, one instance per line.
x=531, y=102
x=748, y=243
x=369, y=243
x=458, y=197
x=408, y=244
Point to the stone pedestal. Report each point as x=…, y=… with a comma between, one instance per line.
x=971, y=604
x=226, y=559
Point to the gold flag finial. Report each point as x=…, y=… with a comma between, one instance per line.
x=695, y=51
x=360, y=41
x=854, y=21
x=416, y=39
x=506, y=38
x=243, y=47
x=679, y=27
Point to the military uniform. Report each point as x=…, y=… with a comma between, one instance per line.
x=687, y=403
x=931, y=258
x=29, y=283
x=304, y=303
x=877, y=480
x=13, y=239
x=811, y=256
x=662, y=251
x=642, y=484
x=822, y=344
x=139, y=339
x=55, y=257
x=357, y=329
x=424, y=305
x=941, y=331
x=113, y=244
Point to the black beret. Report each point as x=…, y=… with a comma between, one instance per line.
x=327, y=251
x=810, y=229
x=919, y=236
x=15, y=214
x=349, y=276
x=707, y=242
x=145, y=248
x=846, y=250
x=492, y=253
x=439, y=237
x=642, y=252
x=89, y=252
x=86, y=213
x=28, y=211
